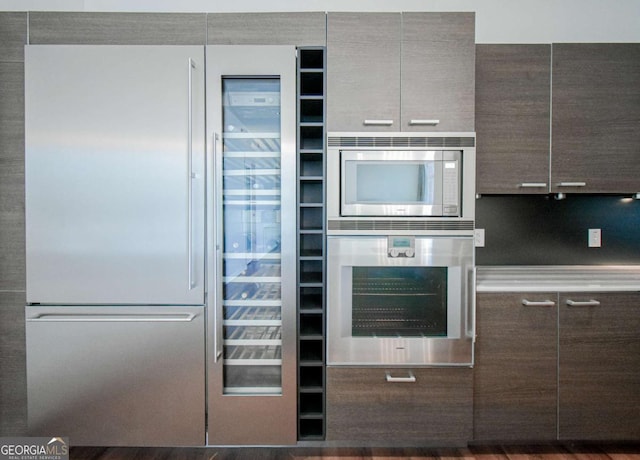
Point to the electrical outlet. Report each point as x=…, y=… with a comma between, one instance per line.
x=478, y=235
x=595, y=237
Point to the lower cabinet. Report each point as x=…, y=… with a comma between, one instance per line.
x=428, y=406
x=515, y=378
x=557, y=366
x=599, y=366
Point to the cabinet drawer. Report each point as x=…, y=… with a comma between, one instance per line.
x=362, y=405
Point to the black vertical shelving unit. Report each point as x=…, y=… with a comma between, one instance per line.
x=311, y=243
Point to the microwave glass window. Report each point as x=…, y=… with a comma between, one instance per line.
x=393, y=182
x=399, y=302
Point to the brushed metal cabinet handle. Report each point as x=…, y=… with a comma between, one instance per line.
x=378, y=122
x=542, y=303
x=586, y=303
x=533, y=184
x=418, y=122
x=411, y=378
x=572, y=184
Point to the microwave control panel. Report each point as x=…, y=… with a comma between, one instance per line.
x=450, y=188
x=401, y=246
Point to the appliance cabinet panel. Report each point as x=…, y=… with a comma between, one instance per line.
x=298, y=29
x=117, y=376
x=515, y=377
x=363, y=406
x=513, y=90
x=12, y=261
x=599, y=383
x=115, y=174
x=596, y=108
x=438, y=72
x=363, y=77
x=117, y=28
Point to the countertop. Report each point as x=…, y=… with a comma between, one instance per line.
x=601, y=278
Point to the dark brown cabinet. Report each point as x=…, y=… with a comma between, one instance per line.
x=363, y=78
x=400, y=71
x=363, y=405
x=515, y=380
x=565, y=366
x=596, y=111
x=599, y=366
x=438, y=72
x=513, y=90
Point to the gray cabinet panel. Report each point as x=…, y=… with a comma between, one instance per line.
x=438, y=71
x=13, y=375
x=12, y=258
x=513, y=84
x=363, y=406
x=363, y=71
x=117, y=28
x=596, y=109
x=515, y=383
x=599, y=397
x=299, y=29
x=13, y=36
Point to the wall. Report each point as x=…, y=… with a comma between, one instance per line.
x=539, y=230
x=497, y=21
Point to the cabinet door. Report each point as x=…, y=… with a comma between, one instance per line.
x=438, y=71
x=516, y=359
x=599, y=383
x=363, y=78
x=513, y=88
x=368, y=405
x=596, y=108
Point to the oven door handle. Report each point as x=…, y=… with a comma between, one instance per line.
x=411, y=378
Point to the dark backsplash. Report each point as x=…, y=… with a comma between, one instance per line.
x=539, y=230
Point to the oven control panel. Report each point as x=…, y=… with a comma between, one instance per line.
x=401, y=246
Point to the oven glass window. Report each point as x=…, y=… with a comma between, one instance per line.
x=393, y=182
x=399, y=301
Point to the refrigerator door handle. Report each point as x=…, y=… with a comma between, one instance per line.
x=191, y=176
x=217, y=340
x=116, y=317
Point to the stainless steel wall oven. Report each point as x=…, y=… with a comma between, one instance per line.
x=400, y=300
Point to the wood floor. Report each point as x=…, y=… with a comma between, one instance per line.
x=506, y=452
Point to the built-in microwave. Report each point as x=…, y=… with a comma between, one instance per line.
x=400, y=181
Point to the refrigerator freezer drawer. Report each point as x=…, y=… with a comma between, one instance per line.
x=117, y=376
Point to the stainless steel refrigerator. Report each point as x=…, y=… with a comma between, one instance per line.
x=115, y=218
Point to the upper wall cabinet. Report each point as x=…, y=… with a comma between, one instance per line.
x=512, y=118
x=438, y=72
x=596, y=115
x=363, y=71
x=400, y=72
x=298, y=29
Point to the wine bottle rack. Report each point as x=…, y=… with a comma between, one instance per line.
x=311, y=243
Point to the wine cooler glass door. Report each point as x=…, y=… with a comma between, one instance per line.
x=252, y=332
